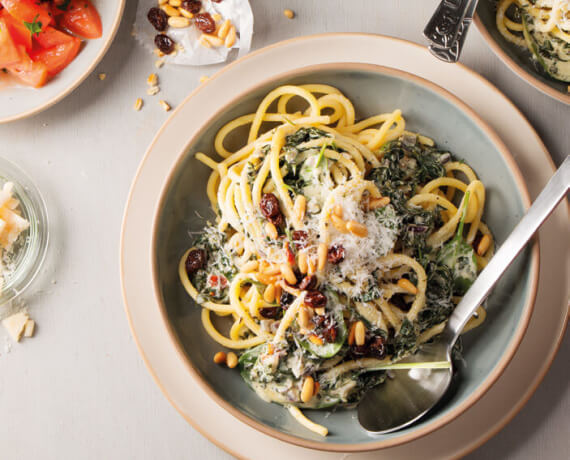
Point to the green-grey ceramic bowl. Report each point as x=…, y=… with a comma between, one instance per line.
x=519, y=60
x=183, y=207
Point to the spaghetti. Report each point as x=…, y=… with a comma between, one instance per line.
x=339, y=246
x=542, y=27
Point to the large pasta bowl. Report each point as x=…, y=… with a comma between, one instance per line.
x=184, y=206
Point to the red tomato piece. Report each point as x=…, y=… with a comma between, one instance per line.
x=8, y=51
x=52, y=37
x=58, y=57
x=19, y=32
x=28, y=11
x=29, y=72
x=81, y=18
x=215, y=281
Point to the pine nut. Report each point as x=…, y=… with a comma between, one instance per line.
x=220, y=357
x=377, y=203
x=170, y=11
x=138, y=104
x=204, y=78
x=316, y=339
x=302, y=262
x=232, y=360
x=356, y=228
x=483, y=245
x=224, y=29
x=185, y=13
x=359, y=333
x=250, y=266
x=159, y=63
x=153, y=90
x=303, y=318
x=212, y=39
x=271, y=230
x=162, y=2
x=269, y=293
x=322, y=256
x=300, y=207
x=337, y=210
x=320, y=311
x=288, y=274
x=266, y=279
x=216, y=17
x=407, y=286
x=175, y=3
x=165, y=105
x=338, y=223
x=270, y=349
x=289, y=14
x=311, y=265
x=308, y=388
x=178, y=22
x=271, y=270
x=102, y=76
x=231, y=37
x=351, y=334
x=204, y=41
x=152, y=79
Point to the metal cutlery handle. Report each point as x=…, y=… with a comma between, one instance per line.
x=448, y=28
x=555, y=190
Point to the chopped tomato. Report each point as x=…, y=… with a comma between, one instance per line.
x=52, y=37
x=81, y=18
x=215, y=281
x=28, y=11
x=19, y=32
x=8, y=51
x=58, y=57
x=290, y=254
x=29, y=72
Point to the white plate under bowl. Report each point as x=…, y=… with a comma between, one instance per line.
x=521, y=377
x=17, y=102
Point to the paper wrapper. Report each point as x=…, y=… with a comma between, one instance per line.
x=192, y=52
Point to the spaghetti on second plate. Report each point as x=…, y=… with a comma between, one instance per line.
x=339, y=246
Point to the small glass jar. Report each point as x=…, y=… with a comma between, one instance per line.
x=29, y=250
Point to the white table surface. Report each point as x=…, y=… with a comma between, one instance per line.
x=79, y=388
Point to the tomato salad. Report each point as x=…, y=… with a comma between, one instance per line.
x=39, y=38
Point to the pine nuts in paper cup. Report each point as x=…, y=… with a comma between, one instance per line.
x=189, y=50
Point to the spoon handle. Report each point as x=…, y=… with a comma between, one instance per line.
x=543, y=206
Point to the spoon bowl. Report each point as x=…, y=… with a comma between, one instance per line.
x=417, y=391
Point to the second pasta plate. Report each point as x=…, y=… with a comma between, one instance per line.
x=409, y=105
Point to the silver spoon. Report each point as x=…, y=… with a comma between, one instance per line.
x=411, y=393
x=447, y=28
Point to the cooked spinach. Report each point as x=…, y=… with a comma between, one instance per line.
x=459, y=256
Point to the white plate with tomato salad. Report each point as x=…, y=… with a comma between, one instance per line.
x=48, y=47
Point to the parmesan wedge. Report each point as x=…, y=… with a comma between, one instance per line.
x=16, y=324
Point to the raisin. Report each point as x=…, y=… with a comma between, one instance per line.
x=308, y=282
x=377, y=348
x=270, y=312
x=192, y=6
x=195, y=261
x=217, y=1
x=315, y=299
x=300, y=238
x=335, y=254
x=286, y=299
x=164, y=43
x=205, y=23
x=329, y=334
x=158, y=19
x=270, y=205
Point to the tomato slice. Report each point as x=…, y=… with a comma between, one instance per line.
x=19, y=32
x=58, y=57
x=52, y=37
x=29, y=72
x=81, y=18
x=28, y=11
x=8, y=51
